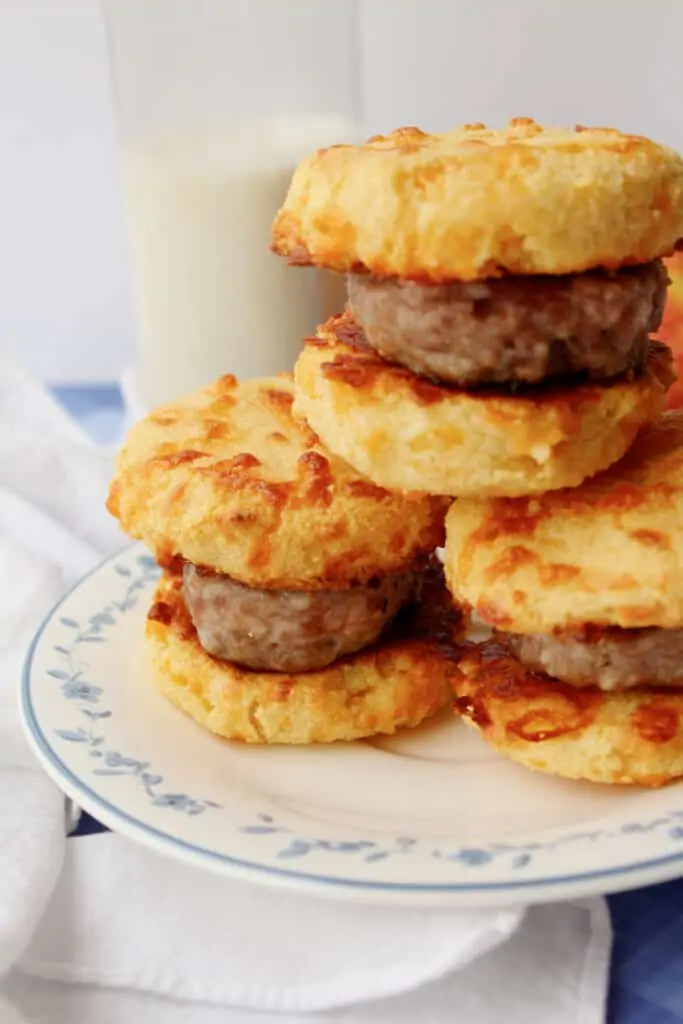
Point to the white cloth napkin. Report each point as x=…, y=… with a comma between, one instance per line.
x=146, y=938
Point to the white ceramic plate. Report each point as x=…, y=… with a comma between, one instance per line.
x=429, y=816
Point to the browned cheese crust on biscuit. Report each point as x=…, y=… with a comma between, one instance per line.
x=476, y=203
x=633, y=737
x=227, y=478
x=609, y=552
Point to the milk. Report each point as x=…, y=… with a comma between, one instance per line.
x=211, y=298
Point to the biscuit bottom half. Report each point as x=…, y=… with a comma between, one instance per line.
x=396, y=683
x=406, y=432
x=631, y=737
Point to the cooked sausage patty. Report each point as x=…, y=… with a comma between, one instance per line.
x=611, y=659
x=289, y=630
x=524, y=329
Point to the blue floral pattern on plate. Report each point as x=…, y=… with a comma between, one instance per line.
x=86, y=693
x=72, y=673
x=518, y=855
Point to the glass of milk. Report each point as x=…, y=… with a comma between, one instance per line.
x=217, y=101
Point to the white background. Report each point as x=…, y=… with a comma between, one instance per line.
x=65, y=307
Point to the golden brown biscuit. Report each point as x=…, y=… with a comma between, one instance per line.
x=226, y=478
x=609, y=552
x=397, y=683
x=631, y=737
x=475, y=203
x=410, y=434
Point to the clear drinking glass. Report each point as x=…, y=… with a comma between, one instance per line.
x=216, y=102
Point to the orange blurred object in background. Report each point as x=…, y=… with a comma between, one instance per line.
x=671, y=330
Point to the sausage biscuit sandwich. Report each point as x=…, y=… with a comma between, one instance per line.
x=584, y=676
x=503, y=288
x=284, y=570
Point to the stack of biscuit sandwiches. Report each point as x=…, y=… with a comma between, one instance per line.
x=497, y=349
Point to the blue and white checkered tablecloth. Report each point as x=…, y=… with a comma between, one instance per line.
x=647, y=964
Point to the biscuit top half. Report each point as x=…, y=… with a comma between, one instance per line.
x=609, y=552
x=228, y=479
x=475, y=203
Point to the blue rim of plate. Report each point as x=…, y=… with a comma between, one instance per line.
x=114, y=814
